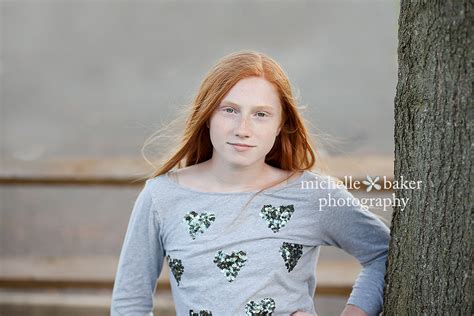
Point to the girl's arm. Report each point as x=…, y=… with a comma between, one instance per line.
x=363, y=235
x=141, y=260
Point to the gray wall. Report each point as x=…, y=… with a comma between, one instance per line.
x=95, y=78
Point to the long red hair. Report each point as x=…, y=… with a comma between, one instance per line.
x=293, y=149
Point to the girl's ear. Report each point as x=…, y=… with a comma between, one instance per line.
x=207, y=124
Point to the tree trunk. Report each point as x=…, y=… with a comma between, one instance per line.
x=429, y=268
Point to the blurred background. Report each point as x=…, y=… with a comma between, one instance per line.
x=85, y=83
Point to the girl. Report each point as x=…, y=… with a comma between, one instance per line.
x=241, y=224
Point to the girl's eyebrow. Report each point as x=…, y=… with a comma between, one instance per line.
x=259, y=107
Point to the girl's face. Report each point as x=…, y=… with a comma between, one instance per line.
x=249, y=114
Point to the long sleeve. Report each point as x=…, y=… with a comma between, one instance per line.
x=141, y=260
x=361, y=234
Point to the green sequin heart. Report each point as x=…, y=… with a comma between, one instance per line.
x=276, y=217
x=197, y=223
x=264, y=308
x=230, y=264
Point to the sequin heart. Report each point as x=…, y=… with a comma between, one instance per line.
x=276, y=217
x=263, y=308
x=197, y=223
x=201, y=313
x=291, y=253
x=176, y=268
x=230, y=264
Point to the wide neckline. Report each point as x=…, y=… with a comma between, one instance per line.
x=271, y=189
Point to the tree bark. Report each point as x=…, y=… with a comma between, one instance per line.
x=430, y=261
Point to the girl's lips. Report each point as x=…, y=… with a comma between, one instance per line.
x=241, y=147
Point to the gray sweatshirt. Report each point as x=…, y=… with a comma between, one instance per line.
x=260, y=261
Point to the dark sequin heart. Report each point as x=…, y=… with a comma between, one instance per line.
x=264, y=308
x=176, y=268
x=201, y=313
x=276, y=217
x=230, y=264
x=291, y=253
x=197, y=223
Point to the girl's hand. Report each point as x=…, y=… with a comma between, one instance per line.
x=300, y=313
x=352, y=310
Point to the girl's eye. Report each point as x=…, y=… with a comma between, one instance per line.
x=232, y=110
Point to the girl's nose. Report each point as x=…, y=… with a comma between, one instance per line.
x=243, y=128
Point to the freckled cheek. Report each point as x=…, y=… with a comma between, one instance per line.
x=265, y=139
x=220, y=124
x=219, y=133
x=265, y=131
